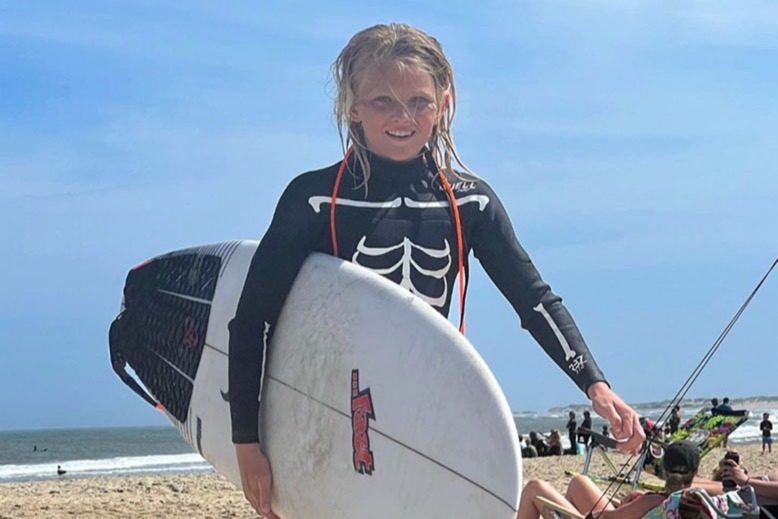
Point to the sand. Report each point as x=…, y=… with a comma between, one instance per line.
x=210, y=495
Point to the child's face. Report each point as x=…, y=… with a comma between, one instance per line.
x=398, y=111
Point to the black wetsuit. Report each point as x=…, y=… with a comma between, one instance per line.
x=402, y=226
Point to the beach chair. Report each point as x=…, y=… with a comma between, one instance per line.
x=732, y=505
x=704, y=429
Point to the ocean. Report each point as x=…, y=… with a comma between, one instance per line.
x=34, y=455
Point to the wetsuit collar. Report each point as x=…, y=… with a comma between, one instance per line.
x=380, y=166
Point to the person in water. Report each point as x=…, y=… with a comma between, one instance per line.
x=395, y=196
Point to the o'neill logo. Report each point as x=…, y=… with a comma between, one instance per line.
x=361, y=413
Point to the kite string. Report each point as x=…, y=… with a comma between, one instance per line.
x=679, y=396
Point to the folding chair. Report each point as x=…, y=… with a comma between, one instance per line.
x=740, y=504
x=704, y=429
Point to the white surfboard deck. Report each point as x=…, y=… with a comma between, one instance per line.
x=442, y=440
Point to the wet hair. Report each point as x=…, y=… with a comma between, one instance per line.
x=677, y=480
x=408, y=48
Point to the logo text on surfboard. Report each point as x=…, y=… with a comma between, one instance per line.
x=361, y=413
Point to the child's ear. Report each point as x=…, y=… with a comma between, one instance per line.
x=445, y=104
x=354, y=114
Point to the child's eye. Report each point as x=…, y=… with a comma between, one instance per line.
x=420, y=103
x=381, y=102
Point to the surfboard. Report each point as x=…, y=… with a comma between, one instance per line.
x=373, y=404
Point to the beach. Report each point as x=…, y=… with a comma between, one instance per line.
x=210, y=495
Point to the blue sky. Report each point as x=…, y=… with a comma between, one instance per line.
x=633, y=143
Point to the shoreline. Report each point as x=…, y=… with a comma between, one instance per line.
x=211, y=495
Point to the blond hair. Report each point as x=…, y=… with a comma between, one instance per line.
x=408, y=48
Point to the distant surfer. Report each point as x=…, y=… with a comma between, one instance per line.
x=61, y=471
x=395, y=204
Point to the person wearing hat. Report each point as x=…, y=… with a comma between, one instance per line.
x=680, y=462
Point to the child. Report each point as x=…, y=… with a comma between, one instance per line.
x=388, y=206
x=766, y=427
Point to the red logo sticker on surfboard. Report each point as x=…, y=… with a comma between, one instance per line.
x=361, y=413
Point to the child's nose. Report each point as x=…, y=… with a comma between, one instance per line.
x=400, y=111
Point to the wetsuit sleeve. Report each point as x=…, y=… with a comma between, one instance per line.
x=541, y=311
x=275, y=264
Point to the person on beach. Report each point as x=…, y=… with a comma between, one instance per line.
x=765, y=486
x=554, y=443
x=396, y=199
x=724, y=408
x=61, y=471
x=714, y=405
x=541, y=447
x=680, y=462
x=766, y=426
x=675, y=419
x=586, y=425
x=572, y=428
x=527, y=449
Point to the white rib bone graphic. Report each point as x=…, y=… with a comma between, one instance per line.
x=406, y=262
x=317, y=201
x=481, y=200
x=569, y=354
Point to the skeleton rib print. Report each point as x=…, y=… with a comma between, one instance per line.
x=406, y=262
x=316, y=202
x=400, y=226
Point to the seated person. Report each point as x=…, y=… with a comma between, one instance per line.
x=765, y=487
x=539, y=443
x=554, y=443
x=527, y=449
x=681, y=461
